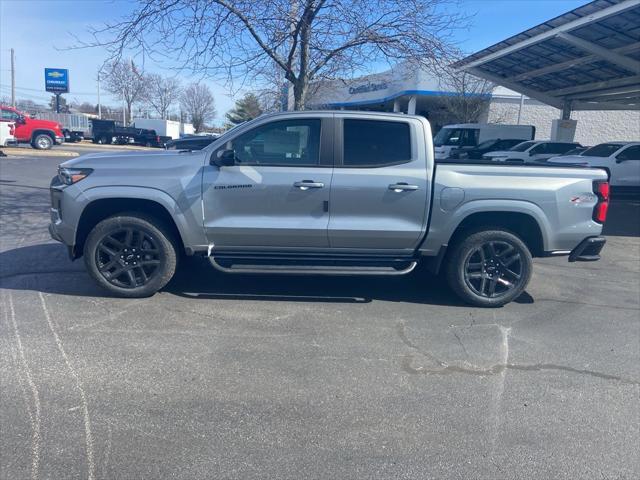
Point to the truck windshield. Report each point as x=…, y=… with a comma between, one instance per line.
x=521, y=147
x=464, y=137
x=602, y=150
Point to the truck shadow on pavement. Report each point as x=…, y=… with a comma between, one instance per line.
x=46, y=268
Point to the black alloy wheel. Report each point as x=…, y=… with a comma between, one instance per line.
x=131, y=254
x=128, y=257
x=493, y=269
x=488, y=268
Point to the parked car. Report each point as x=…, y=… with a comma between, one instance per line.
x=338, y=193
x=7, y=131
x=533, y=151
x=461, y=135
x=621, y=161
x=41, y=134
x=476, y=153
x=190, y=143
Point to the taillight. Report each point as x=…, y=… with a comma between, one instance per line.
x=601, y=189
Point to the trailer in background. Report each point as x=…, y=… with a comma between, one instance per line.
x=109, y=131
x=75, y=126
x=167, y=128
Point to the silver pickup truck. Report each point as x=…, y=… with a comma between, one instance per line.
x=339, y=193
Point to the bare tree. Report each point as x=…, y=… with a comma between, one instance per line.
x=64, y=107
x=84, y=107
x=162, y=93
x=124, y=81
x=198, y=103
x=467, y=95
x=306, y=40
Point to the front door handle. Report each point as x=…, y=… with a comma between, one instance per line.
x=307, y=184
x=402, y=187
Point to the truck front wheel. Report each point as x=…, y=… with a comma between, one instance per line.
x=489, y=268
x=42, y=141
x=130, y=255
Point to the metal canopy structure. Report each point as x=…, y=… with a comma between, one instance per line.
x=586, y=59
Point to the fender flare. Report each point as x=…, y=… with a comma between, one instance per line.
x=160, y=197
x=442, y=236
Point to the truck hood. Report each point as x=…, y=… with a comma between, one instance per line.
x=134, y=160
x=125, y=159
x=48, y=124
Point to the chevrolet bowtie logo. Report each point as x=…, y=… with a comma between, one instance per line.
x=55, y=74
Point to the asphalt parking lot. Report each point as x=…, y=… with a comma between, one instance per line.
x=268, y=377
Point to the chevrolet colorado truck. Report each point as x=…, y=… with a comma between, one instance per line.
x=41, y=134
x=338, y=193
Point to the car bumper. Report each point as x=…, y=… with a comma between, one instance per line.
x=59, y=140
x=588, y=250
x=60, y=228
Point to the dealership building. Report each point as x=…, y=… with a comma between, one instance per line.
x=574, y=77
x=417, y=91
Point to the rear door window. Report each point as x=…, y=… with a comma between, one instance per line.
x=631, y=153
x=522, y=147
x=559, y=147
x=602, y=150
x=375, y=143
x=538, y=149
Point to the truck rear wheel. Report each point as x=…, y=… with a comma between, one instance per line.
x=130, y=255
x=489, y=268
x=42, y=141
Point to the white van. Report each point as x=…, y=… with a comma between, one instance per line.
x=452, y=137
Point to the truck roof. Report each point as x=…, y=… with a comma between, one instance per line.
x=349, y=112
x=472, y=125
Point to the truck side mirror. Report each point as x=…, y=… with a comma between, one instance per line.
x=223, y=158
x=20, y=120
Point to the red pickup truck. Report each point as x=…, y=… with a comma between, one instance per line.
x=41, y=134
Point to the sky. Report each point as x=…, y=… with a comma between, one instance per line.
x=42, y=32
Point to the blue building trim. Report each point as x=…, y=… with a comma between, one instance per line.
x=424, y=93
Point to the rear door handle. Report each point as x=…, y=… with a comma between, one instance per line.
x=307, y=184
x=402, y=187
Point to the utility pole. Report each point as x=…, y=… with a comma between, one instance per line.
x=124, y=111
x=99, y=106
x=13, y=79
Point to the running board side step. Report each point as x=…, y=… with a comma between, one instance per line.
x=313, y=269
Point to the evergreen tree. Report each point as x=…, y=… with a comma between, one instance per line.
x=247, y=108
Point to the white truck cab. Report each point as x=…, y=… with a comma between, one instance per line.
x=452, y=137
x=621, y=160
x=7, y=134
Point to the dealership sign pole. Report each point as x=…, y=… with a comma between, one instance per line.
x=56, y=81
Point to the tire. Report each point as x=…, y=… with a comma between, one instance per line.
x=147, y=256
x=489, y=268
x=42, y=141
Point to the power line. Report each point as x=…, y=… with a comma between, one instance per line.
x=38, y=90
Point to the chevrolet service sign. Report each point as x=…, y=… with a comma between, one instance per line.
x=56, y=80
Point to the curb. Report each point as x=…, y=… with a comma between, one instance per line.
x=31, y=152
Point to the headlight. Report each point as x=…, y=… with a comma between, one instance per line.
x=69, y=176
